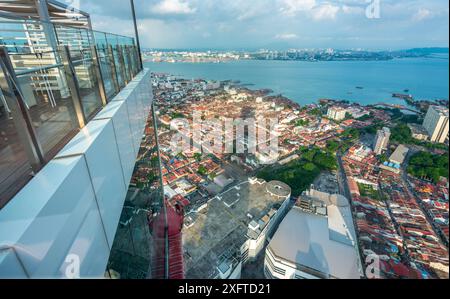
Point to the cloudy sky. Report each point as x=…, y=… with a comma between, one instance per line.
x=254, y=24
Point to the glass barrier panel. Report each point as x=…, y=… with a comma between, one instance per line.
x=119, y=66
x=100, y=39
x=134, y=60
x=78, y=40
x=24, y=36
x=89, y=87
x=32, y=46
x=50, y=107
x=15, y=170
x=112, y=39
x=105, y=68
x=134, y=253
x=127, y=62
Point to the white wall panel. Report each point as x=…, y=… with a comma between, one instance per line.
x=90, y=248
x=43, y=220
x=10, y=266
x=97, y=143
x=134, y=119
x=118, y=113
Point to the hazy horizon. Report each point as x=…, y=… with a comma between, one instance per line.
x=287, y=49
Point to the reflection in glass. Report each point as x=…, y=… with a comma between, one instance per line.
x=119, y=66
x=79, y=41
x=23, y=36
x=89, y=88
x=15, y=171
x=132, y=251
x=107, y=74
x=50, y=106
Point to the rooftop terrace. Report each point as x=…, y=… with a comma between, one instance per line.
x=321, y=241
x=224, y=224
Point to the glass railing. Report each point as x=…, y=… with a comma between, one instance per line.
x=53, y=80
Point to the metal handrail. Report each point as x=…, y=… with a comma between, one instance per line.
x=37, y=21
x=37, y=69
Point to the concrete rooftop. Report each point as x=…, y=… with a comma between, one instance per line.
x=223, y=225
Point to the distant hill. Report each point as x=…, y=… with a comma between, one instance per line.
x=428, y=51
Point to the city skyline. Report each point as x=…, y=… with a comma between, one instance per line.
x=278, y=24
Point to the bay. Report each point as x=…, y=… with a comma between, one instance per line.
x=364, y=82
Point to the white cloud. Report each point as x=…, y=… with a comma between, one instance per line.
x=286, y=36
x=292, y=7
x=325, y=12
x=263, y=23
x=422, y=14
x=312, y=8
x=175, y=7
x=347, y=9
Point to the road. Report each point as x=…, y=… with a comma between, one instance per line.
x=342, y=179
x=408, y=185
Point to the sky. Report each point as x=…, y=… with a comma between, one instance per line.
x=276, y=24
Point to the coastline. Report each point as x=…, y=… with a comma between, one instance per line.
x=305, y=83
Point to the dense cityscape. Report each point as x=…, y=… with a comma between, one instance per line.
x=391, y=166
x=193, y=56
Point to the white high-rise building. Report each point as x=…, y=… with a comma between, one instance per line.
x=436, y=123
x=382, y=140
x=336, y=113
x=316, y=240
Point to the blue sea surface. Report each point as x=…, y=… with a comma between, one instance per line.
x=365, y=82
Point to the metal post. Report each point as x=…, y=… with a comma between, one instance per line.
x=136, y=32
x=136, y=59
x=98, y=74
x=122, y=64
x=73, y=85
x=133, y=61
x=136, y=56
x=112, y=65
x=96, y=61
x=130, y=62
x=49, y=30
x=52, y=39
x=21, y=118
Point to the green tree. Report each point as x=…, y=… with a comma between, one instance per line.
x=309, y=167
x=332, y=146
x=302, y=123
x=351, y=133
x=427, y=165
x=383, y=158
x=309, y=155
x=176, y=115
x=325, y=161
x=198, y=156
x=401, y=134
x=202, y=170
x=316, y=112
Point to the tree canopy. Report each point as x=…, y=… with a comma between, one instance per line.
x=301, y=173
x=429, y=166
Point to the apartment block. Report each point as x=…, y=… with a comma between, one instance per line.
x=436, y=124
